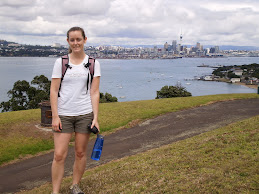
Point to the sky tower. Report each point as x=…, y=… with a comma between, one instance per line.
x=181, y=37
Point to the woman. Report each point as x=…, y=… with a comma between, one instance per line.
x=74, y=109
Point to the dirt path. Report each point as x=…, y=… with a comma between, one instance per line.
x=151, y=134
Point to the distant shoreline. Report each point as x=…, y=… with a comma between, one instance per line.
x=238, y=83
x=247, y=85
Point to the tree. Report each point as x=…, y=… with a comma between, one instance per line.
x=42, y=82
x=19, y=98
x=107, y=98
x=172, y=91
x=42, y=90
x=23, y=96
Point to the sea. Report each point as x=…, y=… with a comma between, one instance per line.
x=134, y=79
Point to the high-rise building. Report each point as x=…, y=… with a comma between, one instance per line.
x=178, y=47
x=188, y=51
x=198, y=46
x=216, y=49
x=212, y=50
x=155, y=49
x=174, y=43
x=166, y=46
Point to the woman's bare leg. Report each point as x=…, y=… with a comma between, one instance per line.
x=81, y=142
x=61, y=141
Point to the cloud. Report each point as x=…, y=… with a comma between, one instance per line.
x=87, y=8
x=132, y=22
x=17, y=3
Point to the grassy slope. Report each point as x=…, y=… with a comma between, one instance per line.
x=114, y=115
x=19, y=138
x=225, y=160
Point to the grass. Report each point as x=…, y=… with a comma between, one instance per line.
x=23, y=146
x=225, y=160
x=19, y=137
x=18, y=132
x=114, y=115
x=14, y=117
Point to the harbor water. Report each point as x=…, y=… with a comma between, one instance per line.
x=130, y=80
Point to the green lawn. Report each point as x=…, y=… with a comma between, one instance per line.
x=114, y=115
x=225, y=160
x=19, y=137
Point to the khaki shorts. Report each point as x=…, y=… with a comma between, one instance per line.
x=76, y=124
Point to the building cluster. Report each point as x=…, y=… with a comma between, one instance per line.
x=193, y=51
x=247, y=74
x=167, y=52
x=118, y=52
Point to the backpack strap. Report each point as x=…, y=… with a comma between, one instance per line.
x=65, y=65
x=90, y=65
x=65, y=60
x=92, y=62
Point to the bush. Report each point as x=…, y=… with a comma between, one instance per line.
x=172, y=91
x=107, y=98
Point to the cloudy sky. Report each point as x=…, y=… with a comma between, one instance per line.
x=132, y=22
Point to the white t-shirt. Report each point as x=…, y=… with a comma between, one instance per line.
x=74, y=100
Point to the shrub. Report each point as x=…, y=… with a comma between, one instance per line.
x=172, y=91
x=104, y=98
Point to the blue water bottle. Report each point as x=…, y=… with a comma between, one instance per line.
x=97, y=149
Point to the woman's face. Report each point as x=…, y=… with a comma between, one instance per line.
x=76, y=41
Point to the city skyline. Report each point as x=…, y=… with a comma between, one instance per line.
x=136, y=22
x=222, y=47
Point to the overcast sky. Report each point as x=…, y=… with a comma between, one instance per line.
x=132, y=22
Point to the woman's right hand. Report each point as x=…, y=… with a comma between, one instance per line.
x=56, y=124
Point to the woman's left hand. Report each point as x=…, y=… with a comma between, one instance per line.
x=96, y=124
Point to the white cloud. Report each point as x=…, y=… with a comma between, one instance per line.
x=89, y=8
x=227, y=6
x=132, y=22
x=17, y=3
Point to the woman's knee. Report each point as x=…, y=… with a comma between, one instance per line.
x=80, y=154
x=59, y=157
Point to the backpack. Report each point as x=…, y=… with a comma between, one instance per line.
x=90, y=65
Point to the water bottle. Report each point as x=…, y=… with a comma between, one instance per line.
x=97, y=149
